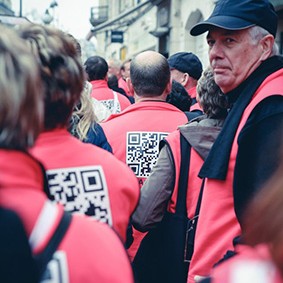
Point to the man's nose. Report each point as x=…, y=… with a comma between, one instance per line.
x=215, y=51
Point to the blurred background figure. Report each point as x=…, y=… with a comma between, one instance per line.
x=124, y=75
x=97, y=69
x=113, y=83
x=114, y=67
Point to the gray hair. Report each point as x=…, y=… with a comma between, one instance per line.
x=212, y=100
x=257, y=33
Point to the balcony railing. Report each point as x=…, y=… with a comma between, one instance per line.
x=98, y=15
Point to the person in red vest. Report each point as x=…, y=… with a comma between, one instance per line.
x=84, y=178
x=124, y=75
x=96, y=68
x=84, y=253
x=262, y=230
x=134, y=134
x=160, y=190
x=186, y=69
x=242, y=53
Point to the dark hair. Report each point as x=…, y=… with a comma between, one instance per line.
x=61, y=71
x=212, y=100
x=129, y=60
x=96, y=68
x=112, y=81
x=151, y=76
x=179, y=97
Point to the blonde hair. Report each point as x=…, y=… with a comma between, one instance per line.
x=83, y=116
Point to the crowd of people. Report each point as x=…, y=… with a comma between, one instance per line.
x=95, y=155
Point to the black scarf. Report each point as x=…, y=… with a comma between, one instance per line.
x=216, y=163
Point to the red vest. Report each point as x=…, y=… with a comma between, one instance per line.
x=194, y=182
x=134, y=136
x=123, y=84
x=218, y=225
x=87, y=179
x=88, y=246
x=135, y=133
x=102, y=92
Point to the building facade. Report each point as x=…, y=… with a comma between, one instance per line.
x=5, y=7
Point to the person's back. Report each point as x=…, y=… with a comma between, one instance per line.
x=245, y=154
x=135, y=133
x=84, y=253
x=82, y=177
x=96, y=68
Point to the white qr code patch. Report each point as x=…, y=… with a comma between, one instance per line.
x=81, y=189
x=110, y=105
x=142, y=151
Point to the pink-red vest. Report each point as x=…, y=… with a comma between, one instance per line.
x=102, y=92
x=135, y=133
x=134, y=136
x=87, y=179
x=194, y=182
x=123, y=84
x=89, y=252
x=218, y=225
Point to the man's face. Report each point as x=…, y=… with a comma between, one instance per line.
x=233, y=56
x=126, y=72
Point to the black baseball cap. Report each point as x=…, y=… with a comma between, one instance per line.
x=239, y=14
x=186, y=62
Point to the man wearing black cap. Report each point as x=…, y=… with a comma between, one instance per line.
x=186, y=69
x=242, y=54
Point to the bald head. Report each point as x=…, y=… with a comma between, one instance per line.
x=150, y=74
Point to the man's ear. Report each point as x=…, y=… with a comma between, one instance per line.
x=267, y=43
x=130, y=86
x=185, y=79
x=168, y=87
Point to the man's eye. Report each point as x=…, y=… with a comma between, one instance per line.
x=210, y=42
x=229, y=40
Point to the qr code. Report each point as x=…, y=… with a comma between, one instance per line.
x=110, y=105
x=81, y=189
x=142, y=151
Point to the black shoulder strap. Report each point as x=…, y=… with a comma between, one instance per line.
x=191, y=229
x=45, y=256
x=181, y=207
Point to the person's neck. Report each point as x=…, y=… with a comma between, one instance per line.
x=149, y=98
